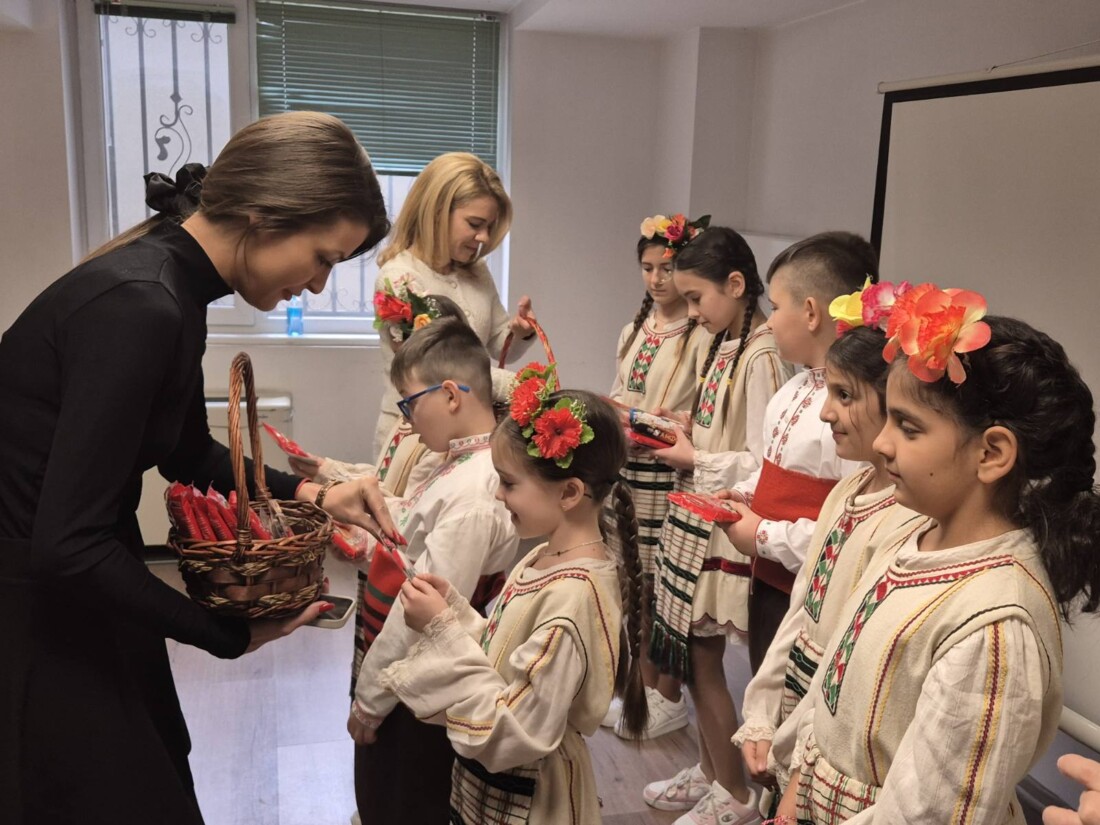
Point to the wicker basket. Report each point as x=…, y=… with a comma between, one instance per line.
x=542, y=339
x=250, y=577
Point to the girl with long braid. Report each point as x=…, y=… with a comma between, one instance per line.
x=656, y=362
x=701, y=589
x=519, y=691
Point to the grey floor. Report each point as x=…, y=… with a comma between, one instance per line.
x=270, y=745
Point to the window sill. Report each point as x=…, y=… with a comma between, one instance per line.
x=276, y=339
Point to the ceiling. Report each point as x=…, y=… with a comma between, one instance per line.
x=646, y=18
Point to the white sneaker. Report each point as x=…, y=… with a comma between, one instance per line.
x=679, y=793
x=614, y=713
x=719, y=807
x=664, y=716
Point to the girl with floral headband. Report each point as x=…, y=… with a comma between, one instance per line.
x=656, y=360
x=942, y=687
x=857, y=520
x=519, y=691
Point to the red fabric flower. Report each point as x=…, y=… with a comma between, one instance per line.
x=526, y=401
x=674, y=232
x=391, y=309
x=557, y=432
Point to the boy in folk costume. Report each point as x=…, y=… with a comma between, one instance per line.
x=454, y=527
x=779, y=504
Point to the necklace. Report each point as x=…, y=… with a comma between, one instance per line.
x=544, y=554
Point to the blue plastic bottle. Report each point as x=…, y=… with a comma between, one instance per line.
x=294, y=316
x=294, y=326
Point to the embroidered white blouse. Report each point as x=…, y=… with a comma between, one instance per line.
x=455, y=528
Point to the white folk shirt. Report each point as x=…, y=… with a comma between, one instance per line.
x=455, y=528
x=797, y=439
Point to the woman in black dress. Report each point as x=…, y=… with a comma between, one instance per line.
x=100, y=379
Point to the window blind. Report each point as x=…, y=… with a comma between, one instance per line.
x=411, y=82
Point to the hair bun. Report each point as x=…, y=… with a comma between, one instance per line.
x=177, y=198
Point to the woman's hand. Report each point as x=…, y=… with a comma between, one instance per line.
x=422, y=601
x=521, y=324
x=681, y=455
x=1087, y=773
x=266, y=630
x=358, y=501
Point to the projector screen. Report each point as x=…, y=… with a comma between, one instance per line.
x=994, y=185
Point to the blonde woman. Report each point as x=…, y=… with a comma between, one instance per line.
x=456, y=213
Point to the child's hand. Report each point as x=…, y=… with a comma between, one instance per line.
x=422, y=602
x=441, y=585
x=681, y=417
x=306, y=466
x=1087, y=773
x=363, y=728
x=755, y=755
x=742, y=534
x=681, y=455
x=521, y=325
x=788, y=805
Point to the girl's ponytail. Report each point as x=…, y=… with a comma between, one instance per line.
x=628, y=680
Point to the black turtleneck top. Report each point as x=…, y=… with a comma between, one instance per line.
x=101, y=379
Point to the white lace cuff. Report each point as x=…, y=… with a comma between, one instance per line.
x=752, y=733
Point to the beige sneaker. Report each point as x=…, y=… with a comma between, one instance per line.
x=719, y=807
x=680, y=793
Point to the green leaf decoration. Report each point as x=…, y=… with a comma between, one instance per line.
x=565, y=460
x=533, y=450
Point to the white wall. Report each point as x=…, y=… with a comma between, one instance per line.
x=817, y=114
x=582, y=181
x=34, y=207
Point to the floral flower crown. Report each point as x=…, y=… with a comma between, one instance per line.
x=551, y=432
x=931, y=326
x=402, y=309
x=677, y=230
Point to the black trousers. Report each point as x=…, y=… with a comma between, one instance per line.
x=767, y=607
x=405, y=776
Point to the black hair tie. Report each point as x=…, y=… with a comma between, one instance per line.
x=177, y=198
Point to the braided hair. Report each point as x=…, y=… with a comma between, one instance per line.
x=1022, y=380
x=713, y=255
x=597, y=464
x=647, y=305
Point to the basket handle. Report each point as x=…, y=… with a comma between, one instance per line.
x=542, y=338
x=240, y=373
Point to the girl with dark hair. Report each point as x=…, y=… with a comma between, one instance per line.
x=944, y=685
x=657, y=357
x=858, y=518
x=102, y=380
x=701, y=586
x=519, y=691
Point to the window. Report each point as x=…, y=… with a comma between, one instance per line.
x=161, y=86
x=411, y=82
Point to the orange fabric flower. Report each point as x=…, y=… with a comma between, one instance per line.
x=932, y=326
x=557, y=432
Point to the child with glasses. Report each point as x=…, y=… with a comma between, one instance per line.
x=454, y=527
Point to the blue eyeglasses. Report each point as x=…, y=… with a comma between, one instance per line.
x=405, y=404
